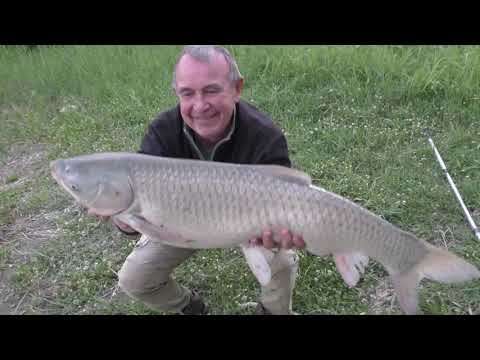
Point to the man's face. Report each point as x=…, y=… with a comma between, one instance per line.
x=207, y=97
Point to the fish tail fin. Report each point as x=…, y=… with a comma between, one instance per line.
x=438, y=265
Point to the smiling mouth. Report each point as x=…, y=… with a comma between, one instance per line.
x=205, y=118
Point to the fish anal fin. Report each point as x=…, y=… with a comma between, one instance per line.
x=405, y=286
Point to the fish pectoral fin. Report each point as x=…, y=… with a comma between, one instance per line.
x=146, y=228
x=350, y=266
x=258, y=263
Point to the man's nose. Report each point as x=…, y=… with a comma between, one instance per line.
x=199, y=104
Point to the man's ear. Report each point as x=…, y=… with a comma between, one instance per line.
x=238, y=89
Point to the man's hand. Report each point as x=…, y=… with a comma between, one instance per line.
x=287, y=240
x=122, y=226
x=90, y=212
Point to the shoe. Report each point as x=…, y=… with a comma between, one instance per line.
x=261, y=310
x=196, y=306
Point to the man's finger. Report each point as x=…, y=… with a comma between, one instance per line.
x=255, y=241
x=267, y=239
x=91, y=212
x=122, y=225
x=286, y=241
x=298, y=242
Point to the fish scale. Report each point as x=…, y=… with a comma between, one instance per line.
x=225, y=197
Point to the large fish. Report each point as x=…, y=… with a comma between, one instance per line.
x=200, y=204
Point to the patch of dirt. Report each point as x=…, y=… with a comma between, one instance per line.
x=20, y=165
x=22, y=235
x=29, y=233
x=444, y=237
x=382, y=300
x=7, y=303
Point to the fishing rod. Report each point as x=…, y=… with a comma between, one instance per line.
x=474, y=227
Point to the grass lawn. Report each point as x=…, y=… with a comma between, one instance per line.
x=353, y=116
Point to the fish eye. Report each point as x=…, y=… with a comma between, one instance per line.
x=74, y=187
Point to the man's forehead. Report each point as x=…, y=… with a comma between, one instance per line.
x=188, y=66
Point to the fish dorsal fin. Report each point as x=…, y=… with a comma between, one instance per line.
x=285, y=173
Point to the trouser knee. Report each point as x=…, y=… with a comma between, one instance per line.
x=146, y=276
x=136, y=284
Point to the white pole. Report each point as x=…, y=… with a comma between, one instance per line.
x=474, y=227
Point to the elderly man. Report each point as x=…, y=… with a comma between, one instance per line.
x=210, y=122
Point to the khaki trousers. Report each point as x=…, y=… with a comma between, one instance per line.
x=146, y=276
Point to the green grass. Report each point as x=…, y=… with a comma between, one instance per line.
x=353, y=116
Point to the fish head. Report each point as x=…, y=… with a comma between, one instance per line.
x=102, y=186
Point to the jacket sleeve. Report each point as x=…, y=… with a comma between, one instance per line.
x=152, y=144
x=276, y=152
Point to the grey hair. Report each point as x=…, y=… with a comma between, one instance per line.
x=203, y=53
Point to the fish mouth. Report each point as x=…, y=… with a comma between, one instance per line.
x=55, y=172
x=55, y=169
x=54, y=165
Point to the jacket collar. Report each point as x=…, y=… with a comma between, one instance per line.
x=189, y=133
